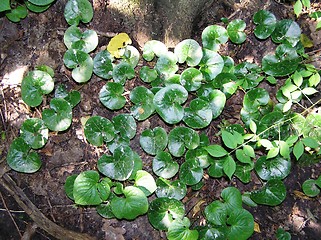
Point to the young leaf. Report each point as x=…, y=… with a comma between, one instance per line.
x=249, y=151
x=298, y=150
x=122, y=72
x=213, y=36
x=214, y=97
x=103, y=66
x=310, y=188
x=198, y=114
x=235, y=31
x=265, y=21
x=147, y=75
x=164, y=166
x=191, y=79
x=298, y=7
x=152, y=48
x=125, y=125
x=211, y=64
x=190, y=172
x=99, y=130
x=145, y=182
x=166, y=65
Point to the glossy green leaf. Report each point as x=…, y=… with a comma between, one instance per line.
x=111, y=96
x=168, y=102
x=211, y=64
x=170, y=189
x=216, y=213
x=147, y=75
x=179, y=229
x=122, y=72
x=78, y=11
x=310, y=188
x=34, y=86
x=298, y=150
x=75, y=38
x=272, y=193
x=20, y=157
x=166, y=65
x=152, y=48
x=117, y=142
x=125, y=125
x=191, y=79
x=36, y=8
x=200, y=155
x=242, y=156
x=131, y=56
x=198, y=114
x=105, y=211
x=241, y=225
x=145, y=182
x=282, y=235
x=17, y=14
x=5, y=5
x=163, y=211
x=103, y=66
x=274, y=168
x=69, y=186
x=229, y=166
x=265, y=22
x=99, y=130
x=213, y=36
x=81, y=63
x=41, y=2
x=216, y=169
x=73, y=97
x=189, y=51
x=286, y=31
x=143, y=100
x=216, y=150
x=190, y=172
x=229, y=139
x=235, y=30
x=119, y=166
x=284, y=62
x=214, y=97
x=59, y=116
x=243, y=171
x=182, y=138
x=153, y=141
x=254, y=98
x=164, y=166
x=134, y=203
x=34, y=132
x=89, y=190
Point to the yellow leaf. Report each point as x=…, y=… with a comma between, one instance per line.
x=197, y=207
x=257, y=227
x=117, y=44
x=306, y=41
x=300, y=195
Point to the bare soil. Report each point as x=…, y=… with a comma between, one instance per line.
x=38, y=40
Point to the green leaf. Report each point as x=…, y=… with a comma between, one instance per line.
x=310, y=188
x=34, y=86
x=81, y=63
x=298, y=149
x=103, y=66
x=200, y=155
x=18, y=13
x=117, y=142
x=198, y=114
x=272, y=193
x=216, y=150
x=152, y=48
x=99, y=130
x=188, y=51
x=214, y=97
x=216, y=169
x=104, y=210
x=85, y=41
x=89, y=190
x=122, y=72
x=284, y=149
x=78, y=10
x=211, y=64
x=227, y=83
x=143, y=103
x=310, y=142
x=312, y=129
x=242, y=157
x=34, y=132
x=255, y=98
x=5, y=5
x=265, y=21
x=213, y=36
x=179, y=229
x=131, y=56
x=145, y=182
x=134, y=204
x=73, y=97
x=153, y=141
x=163, y=211
x=191, y=79
x=306, y=3
x=235, y=31
x=36, y=8
x=273, y=152
x=309, y=91
x=274, y=168
x=147, y=75
x=166, y=65
x=41, y=2
x=59, y=116
x=243, y=171
x=125, y=125
x=216, y=213
x=181, y=138
x=111, y=96
x=249, y=151
x=229, y=166
x=282, y=235
x=190, y=172
x=69, y=186
x=229, y=139
x=20, y=157
x=298, y=7
x=168, y=102
x=241, y=224
x=164, y=166
x=119, y=166
x=286, y=31
x=170, y=189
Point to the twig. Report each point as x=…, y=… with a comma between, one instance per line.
x=8, y=211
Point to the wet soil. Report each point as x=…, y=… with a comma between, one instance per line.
x=38, y=40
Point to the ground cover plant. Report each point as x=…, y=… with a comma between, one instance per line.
x=187, y=87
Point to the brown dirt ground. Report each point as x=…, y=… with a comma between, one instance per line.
x=37, y=40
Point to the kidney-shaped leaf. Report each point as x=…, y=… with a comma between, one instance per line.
x=232, y=199
x=276, y=167
x=34, y=85
x=241, y=225
x=168, y=102
x=99, y=130
x=119, y=166
x=190, y=172
x=170, y=189
x=89, y=190
x=34, y=132
x=235, y=31
x=286, y=31
x=163, y=211
x=254, y=98
x=122, y=72
x=153, y=141
x=125, y=125
x=103, y=66
x=164, y=166
x=111, y=96
x=179, y=229
x=143, y=99
x=181, y=138
x=145, y=181
x=152, y=48
x=21, y=159
x=41, y=2
x=147, y=75
x=213, y=36
x=211, y=64
x=216, y=98
x=59, y=116
x=134, y=204
x=272, y=193
x=166, y=65
x=191, y=79
x=78, y=10
x=265, y=22
x=310, y=188
x=81, y=63
x=188, y=51
x=216, y=213
x=198, y=114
